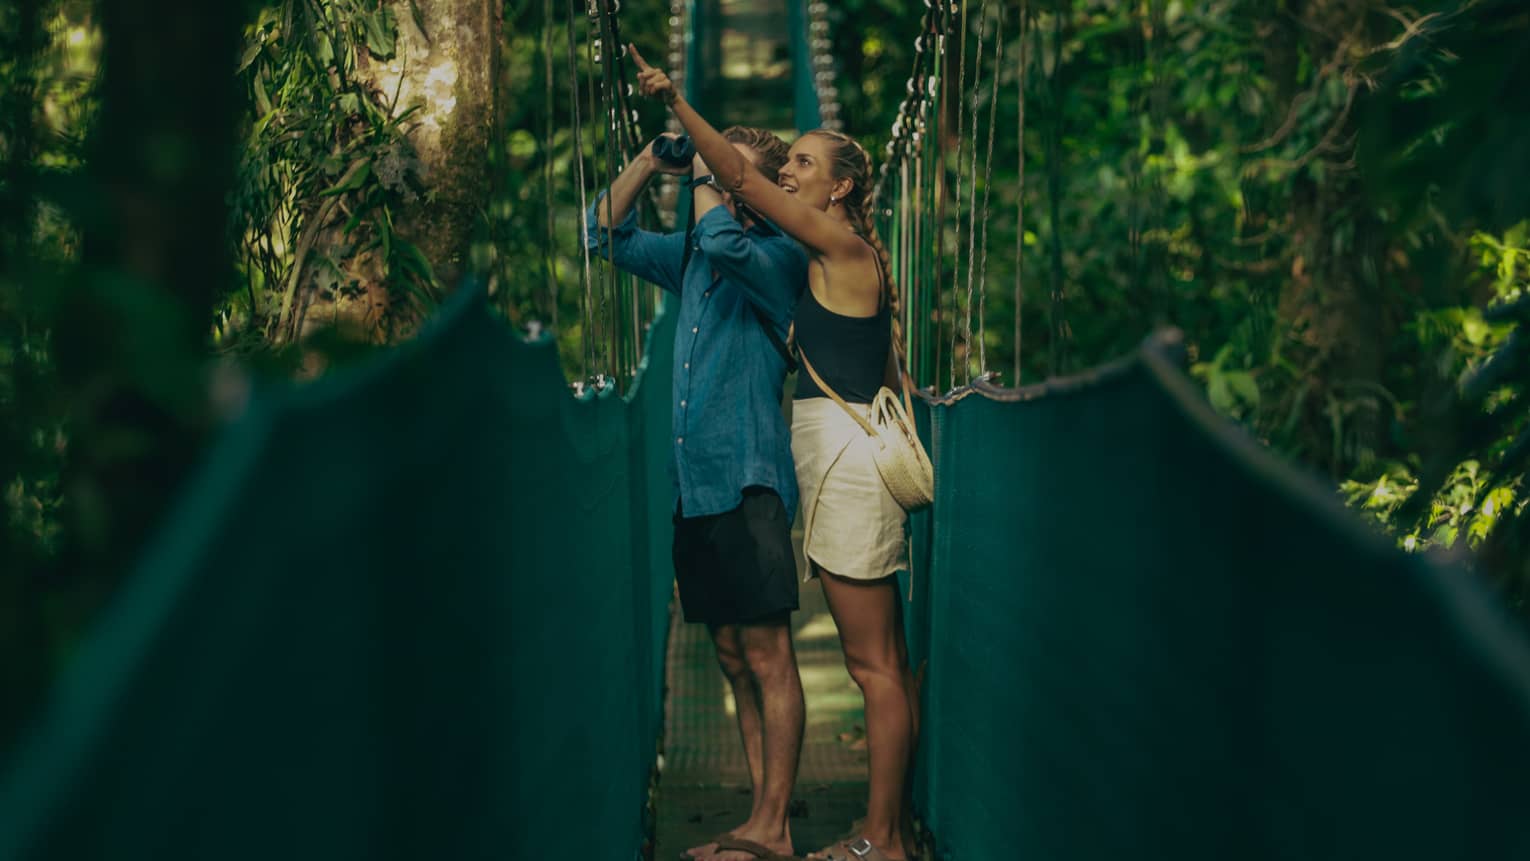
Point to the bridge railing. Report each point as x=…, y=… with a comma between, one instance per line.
x=418, y=610
x=415, y=610
x=1144, y=637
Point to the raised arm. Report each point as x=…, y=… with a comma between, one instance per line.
x=808, y=225
x=611, y=227
x=630, y=183
x=650, y=256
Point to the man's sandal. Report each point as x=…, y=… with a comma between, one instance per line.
x=735, y=844
x=704, y=850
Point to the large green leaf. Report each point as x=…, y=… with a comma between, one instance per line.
x=381, y=31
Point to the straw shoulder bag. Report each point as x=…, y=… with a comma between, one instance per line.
x=899, y=456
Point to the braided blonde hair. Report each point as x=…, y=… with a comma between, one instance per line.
x=849, y=160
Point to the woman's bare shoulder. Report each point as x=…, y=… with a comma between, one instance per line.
x=853, y=284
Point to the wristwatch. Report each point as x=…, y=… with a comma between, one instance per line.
x=705, y=179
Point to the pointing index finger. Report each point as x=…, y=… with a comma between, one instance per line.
x=637, y=56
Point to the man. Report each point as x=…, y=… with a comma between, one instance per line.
x=736, y=490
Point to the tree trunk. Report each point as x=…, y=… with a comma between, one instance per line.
x=449, y=68
x=444, y=66
x=131, y=338
x=1331, y=308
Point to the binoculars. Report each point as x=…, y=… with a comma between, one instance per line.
x=676, y=152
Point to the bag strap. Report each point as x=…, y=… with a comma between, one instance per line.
x=690, y=230
x=808, y=366
x=770, y=330
x=775, y=340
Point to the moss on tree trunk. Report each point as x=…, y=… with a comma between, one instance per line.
x=446, y=63
x=442, y=75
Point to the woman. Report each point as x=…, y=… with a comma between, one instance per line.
x=847, y=328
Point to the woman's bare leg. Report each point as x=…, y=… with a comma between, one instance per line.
x=870, y=628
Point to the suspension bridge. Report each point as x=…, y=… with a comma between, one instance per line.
x=1139, y=634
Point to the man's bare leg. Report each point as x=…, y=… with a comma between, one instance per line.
x=773, y=662
x=746, y=698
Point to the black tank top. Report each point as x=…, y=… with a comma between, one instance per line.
x=850, y=353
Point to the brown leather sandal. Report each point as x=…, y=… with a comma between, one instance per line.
x=705, y=849
x=735, y=844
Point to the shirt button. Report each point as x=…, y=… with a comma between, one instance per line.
x=679, y=440
x=695, y=329
x=687, y=366
x=682, y=403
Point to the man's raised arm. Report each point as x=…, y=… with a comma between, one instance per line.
x=630, y=183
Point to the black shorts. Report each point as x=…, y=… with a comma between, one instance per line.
x=736, y=567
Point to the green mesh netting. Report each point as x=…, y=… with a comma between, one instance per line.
x=1146, y=639
x=418, y=610
x=413, y=611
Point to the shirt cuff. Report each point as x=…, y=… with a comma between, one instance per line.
x=622, y=229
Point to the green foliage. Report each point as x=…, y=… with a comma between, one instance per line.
x=1322, y=197
x=47, y=69
x=321, y=141
x=1326, y=198
x=535, y=219
x=1477, y=491
x=1469, y=506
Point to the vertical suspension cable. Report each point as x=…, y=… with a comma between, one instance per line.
x=1136, y=163
x=680, y=14
x=939, y=188
x=1020, y=192
x=904, y=251
x=921, y=331
x=584, y=271
x=550, y=246
x=933, y=186
x=628, y=142
x=961, y=101
x=993, y=116
x=1054, y=195
x=612, y=300
x=977, y=85
x=913, y=287
x=1156, y=240
x=633, y=291
x=630, y=289
x=598, y=344
x=640, y=294
x=598, y=274
x=917, y=221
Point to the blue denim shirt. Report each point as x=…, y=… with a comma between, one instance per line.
x=728, y=429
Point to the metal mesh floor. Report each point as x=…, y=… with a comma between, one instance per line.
x=704, y=785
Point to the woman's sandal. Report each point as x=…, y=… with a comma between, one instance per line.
x=859, y=849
